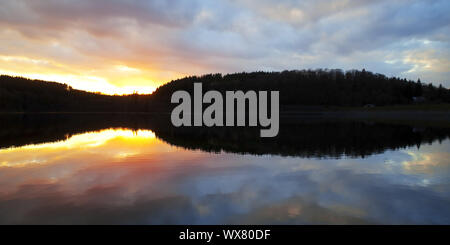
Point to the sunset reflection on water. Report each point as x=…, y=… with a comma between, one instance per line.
x=123, y=176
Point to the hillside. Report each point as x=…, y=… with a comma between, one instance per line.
x=318, y=87
x=297, y=88
x=19, y=94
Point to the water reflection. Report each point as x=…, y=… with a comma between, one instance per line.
x=305, y=137
x=124, y=175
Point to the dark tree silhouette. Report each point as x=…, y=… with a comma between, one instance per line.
x=315, y=87
x=19, y=94
x=297, y=88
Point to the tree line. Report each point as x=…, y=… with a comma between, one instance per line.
x=319, y=87
x=18, y=94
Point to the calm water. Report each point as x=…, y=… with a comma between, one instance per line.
x=72, y=170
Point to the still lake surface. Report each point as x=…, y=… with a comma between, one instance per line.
x=122, y=169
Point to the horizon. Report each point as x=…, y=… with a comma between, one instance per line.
x=125, y=47
x=222, y=74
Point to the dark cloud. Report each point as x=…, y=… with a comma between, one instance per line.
x=194, y=37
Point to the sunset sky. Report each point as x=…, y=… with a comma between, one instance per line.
x=119, y=46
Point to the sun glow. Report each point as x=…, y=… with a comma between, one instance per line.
x=38, y=153
x=87, y=83
x=109, y=78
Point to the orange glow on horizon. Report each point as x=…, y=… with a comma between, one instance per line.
x=110, y=79
x=88, y=83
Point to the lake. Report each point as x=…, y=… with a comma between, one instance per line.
x=137, y=169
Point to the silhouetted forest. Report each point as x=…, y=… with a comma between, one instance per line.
x=19, y=94
x=318, y=87
x=297, y=88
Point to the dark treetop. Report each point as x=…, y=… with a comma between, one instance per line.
x=297, y=88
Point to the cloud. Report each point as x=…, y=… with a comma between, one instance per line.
x=166, y=40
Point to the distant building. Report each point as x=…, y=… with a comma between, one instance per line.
x=418, y=99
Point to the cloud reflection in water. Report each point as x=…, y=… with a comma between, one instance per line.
x=120, y=176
